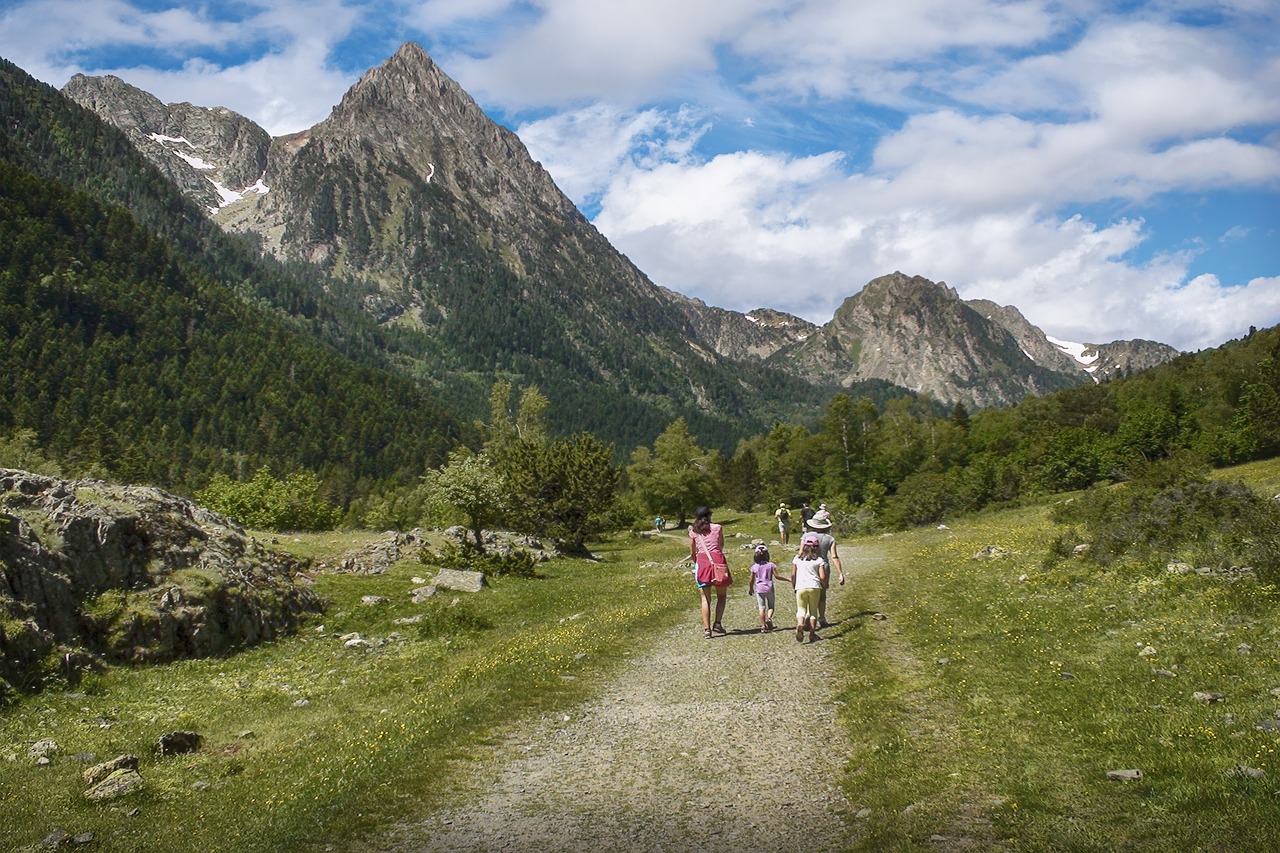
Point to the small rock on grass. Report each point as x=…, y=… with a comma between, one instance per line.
x=98, y=772
x=43, y=749
x=1241, y=771
x=179, y=743
x=1130, y=775
x=118, y=784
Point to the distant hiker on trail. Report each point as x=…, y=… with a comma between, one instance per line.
x=808, y=573
x=784, y=522
x=819, y=525
x=806, y=513
x=761, y=586
x=659, y=523
x=706, y=550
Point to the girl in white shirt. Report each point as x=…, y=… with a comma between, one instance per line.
x=808, y=574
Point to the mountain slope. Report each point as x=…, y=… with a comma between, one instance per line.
x=921, y=335
x=172, y=138
x=411, y=190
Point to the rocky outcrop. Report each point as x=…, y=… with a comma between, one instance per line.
x=1122, y=358
x=921, y=335
x=93, y=571
x=754, y=336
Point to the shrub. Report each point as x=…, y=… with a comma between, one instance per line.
x=1174, y=511
x=515, y=562
x=265, y=503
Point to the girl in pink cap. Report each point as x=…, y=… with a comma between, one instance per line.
x=808, y=573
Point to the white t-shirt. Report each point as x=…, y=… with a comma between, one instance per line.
x=807, y=576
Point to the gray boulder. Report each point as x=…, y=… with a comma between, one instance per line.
x=120, y=782
x=459, y=581
x=94, y=571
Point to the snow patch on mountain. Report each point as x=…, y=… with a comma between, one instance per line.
x=230, y=196
x=1084, y=354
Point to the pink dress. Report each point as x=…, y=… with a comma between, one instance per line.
x=711, y=542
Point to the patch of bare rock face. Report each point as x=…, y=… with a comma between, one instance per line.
x=93, y=571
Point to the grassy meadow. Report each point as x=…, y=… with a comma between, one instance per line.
x=992, y=702
x=307, y=741
x=985, y=699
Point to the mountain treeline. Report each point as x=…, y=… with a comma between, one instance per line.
x=55, y=139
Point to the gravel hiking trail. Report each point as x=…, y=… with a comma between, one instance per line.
x=727, y=744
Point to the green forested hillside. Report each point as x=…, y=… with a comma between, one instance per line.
x=47, y=135
x=123, y=359
x=906, y=464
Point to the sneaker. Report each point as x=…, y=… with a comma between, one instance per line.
x=718, y=628
x=799, y=633
x=823, y=623
x=706, y=633
x=813, y=636
x=768, y=623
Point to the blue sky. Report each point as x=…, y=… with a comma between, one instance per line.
x=1111, y=169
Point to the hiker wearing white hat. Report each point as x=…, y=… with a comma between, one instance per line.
x=820, y=524
x=783, y=514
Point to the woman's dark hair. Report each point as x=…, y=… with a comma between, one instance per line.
x=702, y=513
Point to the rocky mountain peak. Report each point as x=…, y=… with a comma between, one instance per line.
x=921, y=335
x=214, y=155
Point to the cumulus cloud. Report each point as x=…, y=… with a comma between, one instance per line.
x=581, y=50
x=287, y=85
x=585, y=148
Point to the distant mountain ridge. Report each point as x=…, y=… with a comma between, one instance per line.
x=454, y=231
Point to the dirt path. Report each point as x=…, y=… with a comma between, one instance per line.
x=728, y=744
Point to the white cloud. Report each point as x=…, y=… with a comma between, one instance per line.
x=879, y=51
x=586, y=147
x=619, y=50
x=288, y=86
x=433, y=15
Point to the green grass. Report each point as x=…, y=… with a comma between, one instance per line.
x=996, y=696
x=988, y=706
x=308, y=742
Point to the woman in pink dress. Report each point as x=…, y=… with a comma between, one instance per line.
x=706, y=546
